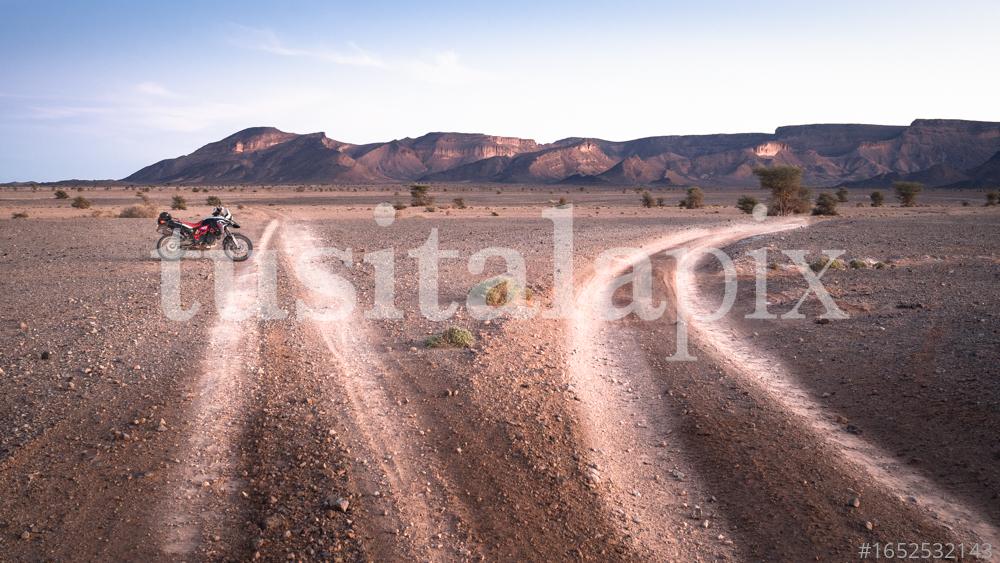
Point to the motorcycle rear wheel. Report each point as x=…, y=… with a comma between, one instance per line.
x=169, y=247
x=237, y=247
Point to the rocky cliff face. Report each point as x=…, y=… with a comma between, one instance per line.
x=940, y=152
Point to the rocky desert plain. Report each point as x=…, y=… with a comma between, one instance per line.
x=546, y=437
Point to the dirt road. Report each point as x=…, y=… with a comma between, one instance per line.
x=341, y=436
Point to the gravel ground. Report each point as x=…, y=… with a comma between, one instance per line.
x=352, y=440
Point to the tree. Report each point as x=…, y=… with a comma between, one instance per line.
x=178, y=202
x=787, y=194
x=877, y=199
x=647, y=199
x=826, y=204
x=420, y=196
x=842, y=194
x=992, y=198
x=694, y=199
x=746, y=204
x=906, y=192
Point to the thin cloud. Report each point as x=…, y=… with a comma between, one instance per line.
x=444, y=67
x=267, y=41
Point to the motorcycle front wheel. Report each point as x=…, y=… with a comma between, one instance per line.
x=169, y=247
x=237, y=247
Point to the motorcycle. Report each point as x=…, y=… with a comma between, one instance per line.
x=180, y=236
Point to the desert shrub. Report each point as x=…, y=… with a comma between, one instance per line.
x=494, y=214
x=562, y=201
x=818, y=265
x=454, y=336
x=195, y=190
x=785, y=184
x=858, y=264
x=842, y=195
x=693, y=200
x=504, y=292
x=19, y=215
x=826, y=204
x=138, y=212
x=906, y=192
x=430, y=209
x=213, y=201
x=399, y=206
x=420, y=196
x=61, y=194
x=81, y=202
x=992, y=198
x=647, y=199
x=746, y=204
x=459, y=203
x=880, y=265
x=178, y=202
x=661, y=202
x=877, y=199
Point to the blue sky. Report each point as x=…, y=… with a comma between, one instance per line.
x=100, y=89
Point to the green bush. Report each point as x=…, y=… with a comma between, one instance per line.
x=858, y=264
x=81, y=202
x=454, y=336
x=138, y=212
x=420, y=196
x=818, y=265
x=906, y=192
x=787, y=193
x=826, y=204
x=746, y=204
x=693, y=200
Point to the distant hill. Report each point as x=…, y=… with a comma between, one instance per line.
x=933, y=151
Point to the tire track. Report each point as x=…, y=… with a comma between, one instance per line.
x=772, y=377
x=206, y=490
x=418, y=518
x=629, y=439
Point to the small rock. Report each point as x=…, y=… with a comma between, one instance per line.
x=341, y=504
x=23, y=326
x=855, y=502
x=26, y=535
x=869, y=526
x=272, y=522
x=162, y=427
x=705, y=524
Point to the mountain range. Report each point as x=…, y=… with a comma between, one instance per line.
x=937, y=152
